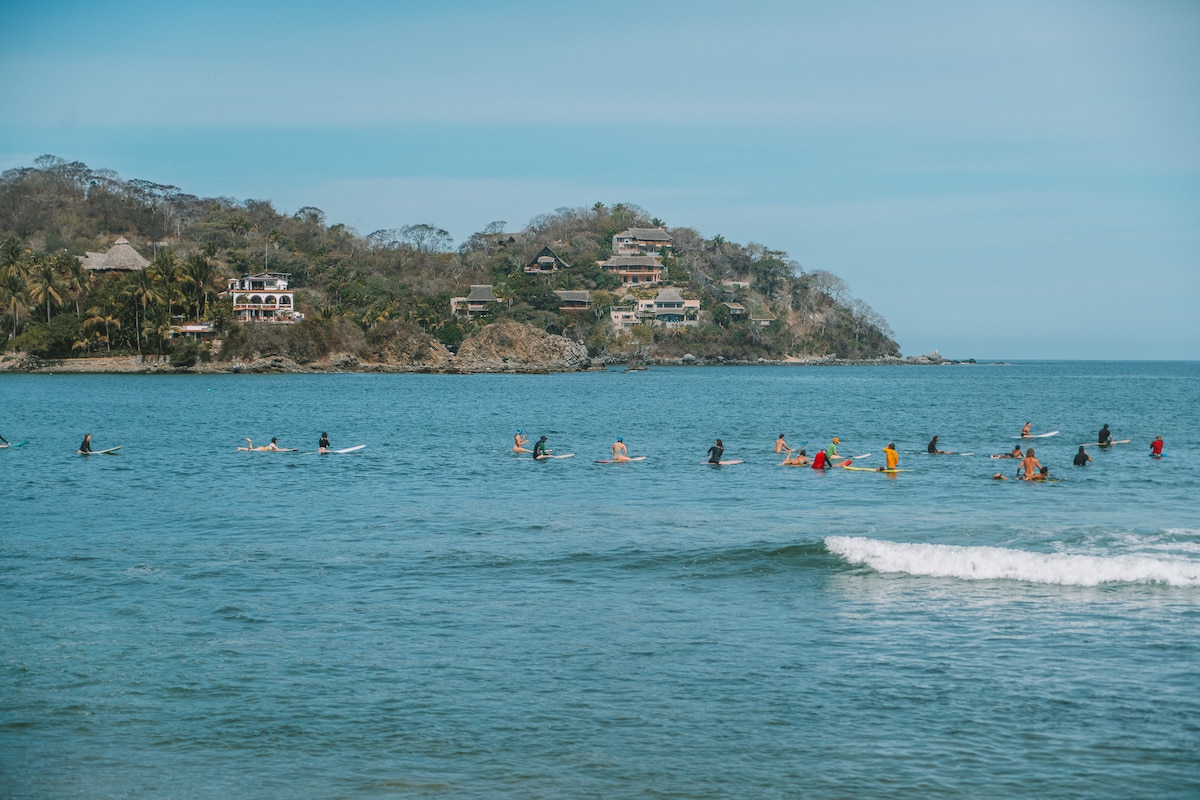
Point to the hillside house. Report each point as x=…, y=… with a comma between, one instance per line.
x=121, y=257
x=635, y=270
x=573, y=300
x=641, y=241
x=264, y=297
x=670, y=309
x=475, y=304
x=546, y=262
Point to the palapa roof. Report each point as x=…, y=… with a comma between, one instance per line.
x=631, y=261
x=121, y=256
x=669, y=295
x=574, y=296
x=482, y=293
x=646, y=234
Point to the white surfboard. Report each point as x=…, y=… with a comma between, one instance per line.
x=1037, y=435
x=353, y=449
x=107, y=452
x=610, y=461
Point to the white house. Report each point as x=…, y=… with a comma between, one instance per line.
x=264, y=297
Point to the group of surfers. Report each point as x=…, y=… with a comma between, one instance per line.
x=273, y=446
x=1030, y=469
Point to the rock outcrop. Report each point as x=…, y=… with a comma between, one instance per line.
x=515, y=347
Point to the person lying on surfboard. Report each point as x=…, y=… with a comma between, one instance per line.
x=798, y=460
x=715, y=452
x=519, y=442
x=323, y=445
x=539, y=449
x=619, y=452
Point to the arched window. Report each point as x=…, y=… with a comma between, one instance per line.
x=285, y=300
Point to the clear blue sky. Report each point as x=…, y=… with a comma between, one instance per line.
x=999, y=179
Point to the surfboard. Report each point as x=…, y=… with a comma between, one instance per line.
x=610, y=461
x=547, y=458
x=107, y=452
x=353, y=449
x=263, y=450
x=1037, y=435
x=1163, y=455
x=1098, y=444
x=729, y=463
x=872, y=469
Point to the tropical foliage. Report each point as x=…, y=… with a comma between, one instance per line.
x=390, y=285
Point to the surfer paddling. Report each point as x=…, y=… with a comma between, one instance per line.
x=798, y=460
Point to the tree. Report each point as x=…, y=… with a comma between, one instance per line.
x=14, y=295
x=142, y=288
x=102, y=316
x=199, y=273
x=45, y=285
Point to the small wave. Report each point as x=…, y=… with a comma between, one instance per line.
x=996, y=563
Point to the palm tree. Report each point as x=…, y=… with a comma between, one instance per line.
x=169, y=273
x=102, y=316
x=14, y=294
x=12, y=253
x=142, y=289
x=45, y=285
x=199, y=272
x=76, y=279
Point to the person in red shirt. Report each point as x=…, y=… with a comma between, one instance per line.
x=1156, y=447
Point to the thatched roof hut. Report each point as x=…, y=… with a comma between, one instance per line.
x=121, y=256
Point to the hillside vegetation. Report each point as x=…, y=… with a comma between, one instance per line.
x=383, y=295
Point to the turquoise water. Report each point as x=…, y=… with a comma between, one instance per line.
x=431, y=617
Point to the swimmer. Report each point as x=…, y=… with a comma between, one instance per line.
x=519, y=442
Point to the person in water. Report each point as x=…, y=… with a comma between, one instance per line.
x=619, y=452
x=519, y=442
x=1082, y=458
x=1042, y=475
x=933, y=448
x=1156, y=447
x=86, y=447
x=273, y=445
x=798, y=460
x=1016, y=452
x=831, y=452
x=1025, y=434
x=715, y=452
x=323, y=445
x=1105, y=437
x=1030, y=464
x=821, y=460
x=892, y=456
x=539, y=449
x=781, y=445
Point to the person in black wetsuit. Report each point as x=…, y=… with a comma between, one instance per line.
x=1082, y=458
x=86, y=447
x=539, y=449
x=323, y=445
x=1105, y=437
x=715, y=452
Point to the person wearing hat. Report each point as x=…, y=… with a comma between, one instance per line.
x=519, y=442
x=893, y=457
x=539, y=449
x=831, y=451
x=1105, y=437
x=619, y=452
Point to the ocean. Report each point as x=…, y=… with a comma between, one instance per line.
x=434, y=617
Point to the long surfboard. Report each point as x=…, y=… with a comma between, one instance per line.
x=610, y=461
x=546, y=458
x=873, y=469
x=729, y=463
x=1099, y=444
x=267, y=450
x=1037, y=435
x=107, y=452
x=353, y=449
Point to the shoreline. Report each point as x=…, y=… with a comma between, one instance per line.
x=346, y=363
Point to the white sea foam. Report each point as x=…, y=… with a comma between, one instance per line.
x=997, y=563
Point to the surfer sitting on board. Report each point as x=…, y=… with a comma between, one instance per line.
x=781, y=445
x=798, y=460
x=831, y=451
x=1082, y=458
x=1042, y=475
x=519, y=442
x=1156, y=447
x=539, y=449
x=619, y=452
x=932, y=449
x=1105, y=438
x=893, y=457
x=715, y=452
x=86, y=447
x=1025, y=434
x=1030, y=464
x=323, y=445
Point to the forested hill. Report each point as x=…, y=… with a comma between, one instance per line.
x=384, y=293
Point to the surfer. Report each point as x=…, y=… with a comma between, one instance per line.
x=619, y=452
x=86, y=447
x=781, y=445
x=1030, y=464
x=323, y=445
x=821, y=460
x=1025, y=434
x=831, y=451
x=999, y=477
x=1082, y=458
x=893, y=457
x=1042, y=475
x=798, y=460
x=1156, y=447
x=932, y=449
x=715, y=452
x=1105, y=438
x=273, y=445
x=1016, y=453
x=519, y=442
x=539, y=449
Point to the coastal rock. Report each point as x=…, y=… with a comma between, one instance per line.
x=514, y=347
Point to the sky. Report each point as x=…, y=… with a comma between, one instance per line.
x=998, y=179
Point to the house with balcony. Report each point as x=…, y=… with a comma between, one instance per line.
x=641, y=242
x=573, y=301
x=546, y=262
x=635, y=270
x=476, y=304
x=264, y=297
x=670, y=309
x=624, y=316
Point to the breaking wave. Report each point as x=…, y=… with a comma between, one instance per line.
x=997, y=563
